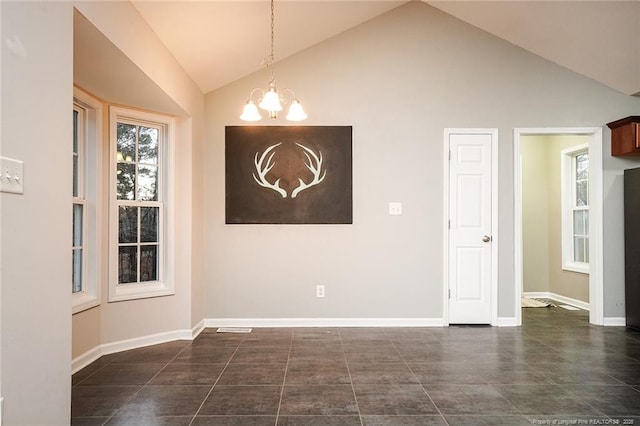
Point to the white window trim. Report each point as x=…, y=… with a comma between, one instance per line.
x=83, y=293
x=567, y=194
x=166, y=270
x=89, y=188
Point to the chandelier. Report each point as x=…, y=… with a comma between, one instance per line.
x=272, y=99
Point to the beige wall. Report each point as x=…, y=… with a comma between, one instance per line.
x=35, y=269
x=399, y=80
x=542, y=218
x=86, y=328
x=535, y=214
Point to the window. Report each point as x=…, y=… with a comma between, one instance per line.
x=79, y=202
x=85, y=203
x=140, y=225
x=575, y=209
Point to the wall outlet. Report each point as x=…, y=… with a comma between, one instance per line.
x=319, y=291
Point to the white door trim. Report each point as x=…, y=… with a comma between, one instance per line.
x=494, y=219
x=596, y=280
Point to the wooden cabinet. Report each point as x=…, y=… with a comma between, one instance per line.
x=625, y=136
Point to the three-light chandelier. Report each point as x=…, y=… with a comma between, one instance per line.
x=272, y=100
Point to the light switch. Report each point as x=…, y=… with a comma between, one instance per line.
x=11, y=175
x=395, y=208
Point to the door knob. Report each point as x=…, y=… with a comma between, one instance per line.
x=486, y=238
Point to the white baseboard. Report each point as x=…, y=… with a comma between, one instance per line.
x=615, y=322
x=558, y=298
x=93, y=354
x=197, y=329
x=507, y=322
x=85, y=359
x=141, y=342
x=324, y=322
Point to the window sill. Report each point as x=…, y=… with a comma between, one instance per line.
x=581, y=268
x=82, y=301
x=132, y=291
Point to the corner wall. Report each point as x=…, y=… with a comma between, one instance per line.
x=37, y=81
x=399, y=80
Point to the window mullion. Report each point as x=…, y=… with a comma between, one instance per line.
x=161, y=241
x=81, y=154
x=138, y=248
x=135, y=203
x=574, y=204
x=136, y=159
x=136, y=165
x=85, y=234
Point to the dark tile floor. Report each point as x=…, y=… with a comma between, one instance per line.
x=555, y=369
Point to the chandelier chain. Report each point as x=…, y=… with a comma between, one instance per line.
x=271, y=56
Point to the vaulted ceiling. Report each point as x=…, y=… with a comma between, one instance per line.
x=599, y=39
x=218, y=42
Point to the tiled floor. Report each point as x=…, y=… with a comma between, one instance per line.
x=555, y=369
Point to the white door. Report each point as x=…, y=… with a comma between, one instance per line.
x=470, y=223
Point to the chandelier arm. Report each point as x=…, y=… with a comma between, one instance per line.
x=293, y=94
x=256, y=89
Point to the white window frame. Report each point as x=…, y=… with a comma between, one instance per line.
x=165, y=285
x=568, y=196
x=90, y=157
x=79, y=198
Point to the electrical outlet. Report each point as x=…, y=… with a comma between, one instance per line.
x=319, y=291
x=11, y=175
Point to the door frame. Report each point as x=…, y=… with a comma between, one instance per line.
x=494, y=219
x=596, y=276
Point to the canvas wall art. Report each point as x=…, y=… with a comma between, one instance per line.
x=288, y=175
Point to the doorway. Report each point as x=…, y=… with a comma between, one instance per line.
x=593, y=238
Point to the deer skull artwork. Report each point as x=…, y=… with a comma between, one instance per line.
x=263, y=167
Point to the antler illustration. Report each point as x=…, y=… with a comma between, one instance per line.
x=262, y=171
x=315, y=169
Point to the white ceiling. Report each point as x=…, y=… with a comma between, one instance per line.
x=218, y=42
